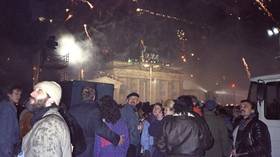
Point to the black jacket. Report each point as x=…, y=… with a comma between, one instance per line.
x=89, y=118
x=253, y=139
x=185, y=136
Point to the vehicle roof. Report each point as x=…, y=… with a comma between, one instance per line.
x=266, y=78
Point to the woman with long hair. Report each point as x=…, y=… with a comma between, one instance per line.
x=111, y=115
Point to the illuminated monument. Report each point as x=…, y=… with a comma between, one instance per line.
x=154, y=81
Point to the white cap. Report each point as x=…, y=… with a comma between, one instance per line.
x=52, y=88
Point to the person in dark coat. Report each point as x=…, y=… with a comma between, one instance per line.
x=155, y=129
x=9, y=132
x=89, y=118
x=130, y=116
x=185, y=133
x=221, y=146
x=251, y=137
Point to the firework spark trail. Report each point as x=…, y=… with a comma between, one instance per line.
x=142, y=43
x=246, y=68
x=265, y=9
x=143, y=51
x=41, y=19
x=141, y=11
x=88, y=3
x=87, y=33
x=68, y=17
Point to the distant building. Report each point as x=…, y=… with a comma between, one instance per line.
x=154, y=82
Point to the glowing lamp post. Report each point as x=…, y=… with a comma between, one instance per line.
x=274, y=32
x=69, y=46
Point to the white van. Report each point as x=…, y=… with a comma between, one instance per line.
x=265, y=90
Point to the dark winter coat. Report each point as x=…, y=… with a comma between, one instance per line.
x=253, y=139
x=9, y=132
x=89, y=118
x=222, y=145
x=131, y=118
x=185, y=136
x=155, y=130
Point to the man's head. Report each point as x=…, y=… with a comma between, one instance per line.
x=133, y=99
x=247, y=108
x=183, y=103
x=88, y=94
x=14, y=94
x=44, y=95
x=210, y=105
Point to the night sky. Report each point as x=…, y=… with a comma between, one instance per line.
x=218, y=32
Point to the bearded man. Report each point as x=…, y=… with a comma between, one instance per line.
x=49, y=136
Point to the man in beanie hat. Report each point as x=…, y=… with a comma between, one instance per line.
x=49, y=136
x=216, y=123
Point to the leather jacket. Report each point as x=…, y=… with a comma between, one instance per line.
x=253, y=139
x=183, y=136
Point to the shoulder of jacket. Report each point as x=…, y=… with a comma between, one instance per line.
x=6, y=106
x=258, y=123
x=52, y=121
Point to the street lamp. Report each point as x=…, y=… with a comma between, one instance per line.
x=270, y=32
x=274, y=32
x=233, y=86
x=69, y=45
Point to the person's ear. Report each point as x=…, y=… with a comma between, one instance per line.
x=49, y=102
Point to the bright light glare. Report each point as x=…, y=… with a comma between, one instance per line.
x=269, y=32
x=156, y=66
x=221, y=92
x=202, y=89
x=68, y=45
x=275, y=30
x=146, y=65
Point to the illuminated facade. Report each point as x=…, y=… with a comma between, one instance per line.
x=153, y=83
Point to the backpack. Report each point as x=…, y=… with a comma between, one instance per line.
x=76, y=133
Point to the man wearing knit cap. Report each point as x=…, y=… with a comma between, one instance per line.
x=49, y=136
x=216, y=123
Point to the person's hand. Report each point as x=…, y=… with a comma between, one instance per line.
x=140, y=126
x=122, y=139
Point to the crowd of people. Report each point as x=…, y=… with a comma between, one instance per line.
x=181, y=127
